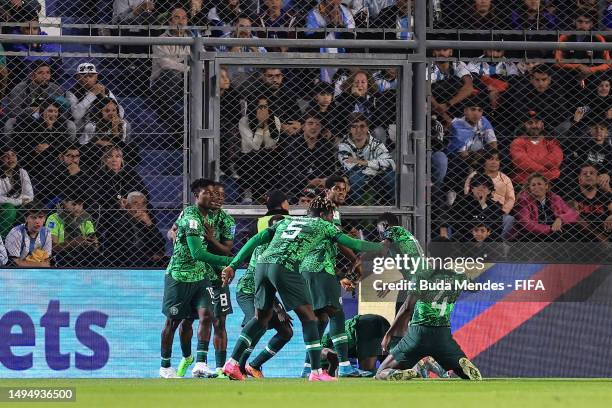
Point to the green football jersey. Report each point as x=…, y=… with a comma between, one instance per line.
x=225, y=229
x=182, y=266
x=294, y=238
x=404, y=243
x=435, y=304
x=246, y=283
x=323, y=256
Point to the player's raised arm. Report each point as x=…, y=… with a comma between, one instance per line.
x=199, y=252
x=245, y=252
x=358, y=244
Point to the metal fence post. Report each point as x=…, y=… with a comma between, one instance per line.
x=419, y=121
x=193, y=150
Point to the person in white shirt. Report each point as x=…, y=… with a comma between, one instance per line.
x=15, y=188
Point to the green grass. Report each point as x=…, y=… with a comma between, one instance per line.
x=296, y=393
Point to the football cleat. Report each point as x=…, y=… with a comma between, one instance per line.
x=305, y=372
x=348, y=371
x=402, y=375
x=202, y=370
x=470, y=369
x=232, y=371
x=253, y=372
x=183, y=366
x=167, y=372
x=324, y=376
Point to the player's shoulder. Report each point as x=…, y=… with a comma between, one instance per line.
x=189, y=214
x=398, y=233
x=226, y=217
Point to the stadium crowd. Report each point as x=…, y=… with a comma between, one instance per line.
x=520, y=149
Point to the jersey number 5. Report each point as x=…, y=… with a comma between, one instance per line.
x=293, y=229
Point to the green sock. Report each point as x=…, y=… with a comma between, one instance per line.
x=245, y=357
x=202, y=352
x=338, y=335
x=251, y=333
x=220, y=357
x=166, y=355
x=321, y=326
x=275, y=345
x=312, y=340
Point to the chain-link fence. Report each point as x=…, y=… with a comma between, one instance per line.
x=521, y=157
x=97, y=144
x=288, y=129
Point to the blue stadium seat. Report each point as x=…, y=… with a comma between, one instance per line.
x=165, y=191
x=161, y=163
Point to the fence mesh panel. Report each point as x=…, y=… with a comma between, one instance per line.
x=521, y=157
x=289, y=129
x=98, y=144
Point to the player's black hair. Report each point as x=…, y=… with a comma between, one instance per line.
x=274, y=219
x=388, y=218
x=200, y=184
x=321, y=206
x=332, y=180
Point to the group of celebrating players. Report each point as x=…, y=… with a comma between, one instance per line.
x=292, y=266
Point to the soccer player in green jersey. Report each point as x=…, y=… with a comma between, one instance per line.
x=281, y=322
x=364, y=334
x=277, y=271
x=319, y=272
x=429, y=332
x=184, y=287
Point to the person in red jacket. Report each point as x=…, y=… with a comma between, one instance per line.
x=533, y=152
x=544, y=216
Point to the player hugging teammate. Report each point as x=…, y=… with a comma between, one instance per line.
x=294, y=258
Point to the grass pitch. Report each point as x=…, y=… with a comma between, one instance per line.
x=298, y=393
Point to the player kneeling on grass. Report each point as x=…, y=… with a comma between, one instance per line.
x=278, y=271
x=429, y=333
x=185, y=292
x=281, y=321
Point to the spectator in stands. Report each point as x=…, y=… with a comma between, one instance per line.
x=167, y=73
x=358, y=95
x=492, y=77
x=542, y=215
x=369, y=9
x=40, y=140
x=594, y=203
x=593, y=148
x=598, y=99
x=329, y=14
x=534, y=152
x=281, y=97
x=105, y=129
x=531, y=15
x=73, y=234
x=114, y=180
x=68, y=177
x=19, y=66
x=367, y=163
x=306, y=196
x=481, y=15
x=273, y=16
x=140, y=244
x=25, y=98
x=396, y=16
x=3, y=254
x=544, y=94
x=607, y=16
x=224, y=15
x=242, y=29
x=85, y=92
x=133, y=12
x=29, y=245
x=15, y=189
x=323, y=104
x=567, y=11
x=584, y=21
x=260, y=131
x=308, y=160
x=469, y=136
x=451, y=84
x=19, y=10
x=477, y=206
